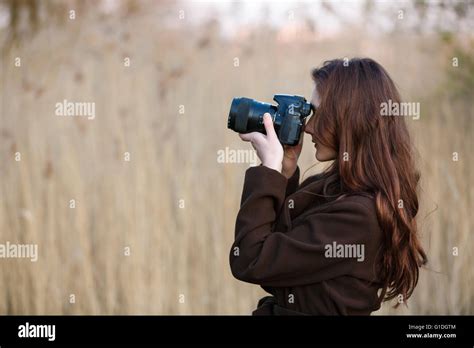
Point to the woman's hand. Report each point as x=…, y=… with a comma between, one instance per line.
x=268, y=147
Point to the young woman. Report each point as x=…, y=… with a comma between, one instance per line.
x=344, y=240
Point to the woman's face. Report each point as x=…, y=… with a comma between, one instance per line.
x=323, y=153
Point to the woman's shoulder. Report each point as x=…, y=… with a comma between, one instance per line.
x=357, y=209
x=365, y=199
x=359, y=202
x=350, y=219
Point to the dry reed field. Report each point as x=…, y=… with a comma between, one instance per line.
x=133, y=213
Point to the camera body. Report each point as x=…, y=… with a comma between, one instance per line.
x=246, y=115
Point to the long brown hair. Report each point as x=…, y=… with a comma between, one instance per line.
x=375, y=156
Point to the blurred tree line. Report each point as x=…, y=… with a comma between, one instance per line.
x=442, y=16
x=445, y=18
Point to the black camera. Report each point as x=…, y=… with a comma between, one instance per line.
x=246, y=115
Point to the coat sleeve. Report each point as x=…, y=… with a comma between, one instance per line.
x=296, y=257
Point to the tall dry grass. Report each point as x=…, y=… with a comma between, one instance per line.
x=173, y=157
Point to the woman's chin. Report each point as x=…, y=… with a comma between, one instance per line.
x=321, y=158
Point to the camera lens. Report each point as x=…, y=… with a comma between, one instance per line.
x=246, y=115
x=238, y=114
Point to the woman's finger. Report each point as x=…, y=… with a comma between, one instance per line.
x=254, y=137
x=246, y=136
x=269, y=128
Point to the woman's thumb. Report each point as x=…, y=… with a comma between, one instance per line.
x=268, y=123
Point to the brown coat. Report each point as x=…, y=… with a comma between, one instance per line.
x=282, y=235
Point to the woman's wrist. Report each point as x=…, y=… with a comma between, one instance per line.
x=288, y=172
x=274, y=165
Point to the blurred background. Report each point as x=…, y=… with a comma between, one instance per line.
x=154, y=209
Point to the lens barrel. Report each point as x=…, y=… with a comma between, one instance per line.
x=246, y=115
